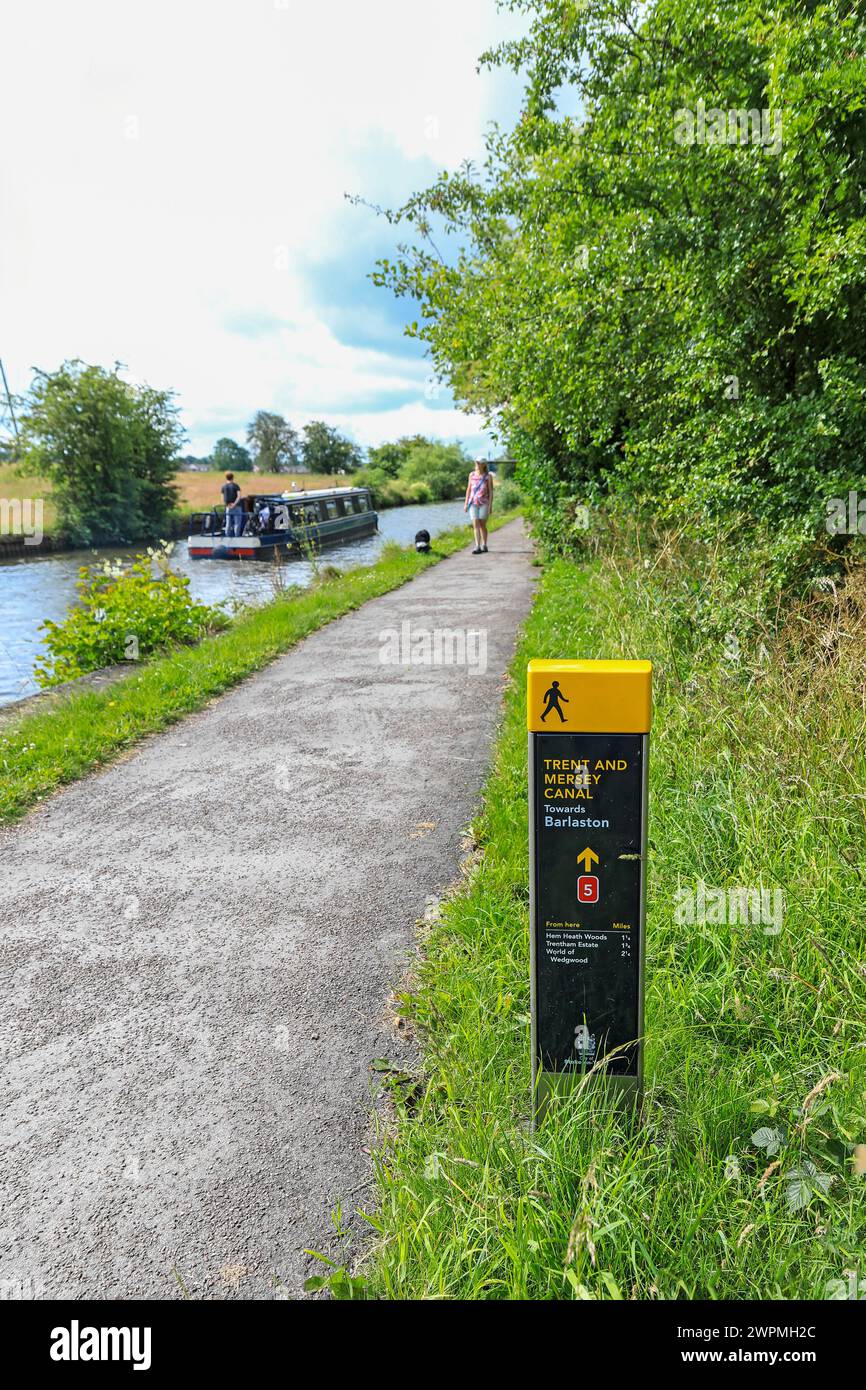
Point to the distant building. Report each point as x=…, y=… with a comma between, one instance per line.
x=298, y=467
x=190, y=464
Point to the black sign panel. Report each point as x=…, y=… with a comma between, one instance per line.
x=588, y=838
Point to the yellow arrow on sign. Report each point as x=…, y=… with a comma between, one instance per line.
x=587, y=858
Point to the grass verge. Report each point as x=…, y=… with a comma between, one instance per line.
x=46, y=749
x=745, y=1179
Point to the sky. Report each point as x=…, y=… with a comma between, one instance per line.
x=172, y=197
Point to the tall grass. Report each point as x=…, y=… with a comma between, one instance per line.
x=199, y=492
x=742, y=1180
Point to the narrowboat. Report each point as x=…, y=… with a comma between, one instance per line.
x=291, y=523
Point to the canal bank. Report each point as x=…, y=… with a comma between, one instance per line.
x=64, y=734
x=24, y=547
x=37, y=587
x=201, y=942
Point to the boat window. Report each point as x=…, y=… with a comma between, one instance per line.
x=363, y=503
x=331, y=510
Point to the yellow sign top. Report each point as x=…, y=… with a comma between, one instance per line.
x=589, y=697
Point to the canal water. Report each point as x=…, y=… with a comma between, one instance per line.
x=33, y=590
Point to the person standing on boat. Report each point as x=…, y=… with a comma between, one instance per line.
x=479, y=503
x=234, y=513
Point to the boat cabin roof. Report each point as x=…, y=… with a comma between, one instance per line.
x=315, y=494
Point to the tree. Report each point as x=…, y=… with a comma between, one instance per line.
x=274, y=443
x=230, y=457
x=326, y=450
x=663, y=294
x=390, y=458
x=109, y=448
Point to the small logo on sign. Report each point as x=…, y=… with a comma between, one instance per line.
x=584, y=1041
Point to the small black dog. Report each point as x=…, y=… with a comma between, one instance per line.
x=422, y=541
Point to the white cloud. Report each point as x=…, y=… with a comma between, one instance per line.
x=174, y=168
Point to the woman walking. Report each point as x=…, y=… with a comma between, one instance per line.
x=479, y=503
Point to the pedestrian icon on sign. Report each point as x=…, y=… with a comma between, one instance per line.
x=552, y=698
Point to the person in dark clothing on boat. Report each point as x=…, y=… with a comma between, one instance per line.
x=234, y=513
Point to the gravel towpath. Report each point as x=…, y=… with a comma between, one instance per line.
x=198, y=945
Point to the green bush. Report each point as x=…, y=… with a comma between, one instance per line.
x=123, y=614
x=508, y=495
x=393, y=492
x=443, y=467
x=380, y=484
x=419, y=492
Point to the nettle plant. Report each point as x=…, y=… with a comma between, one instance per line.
x=814, y=1148
x=124, y=612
